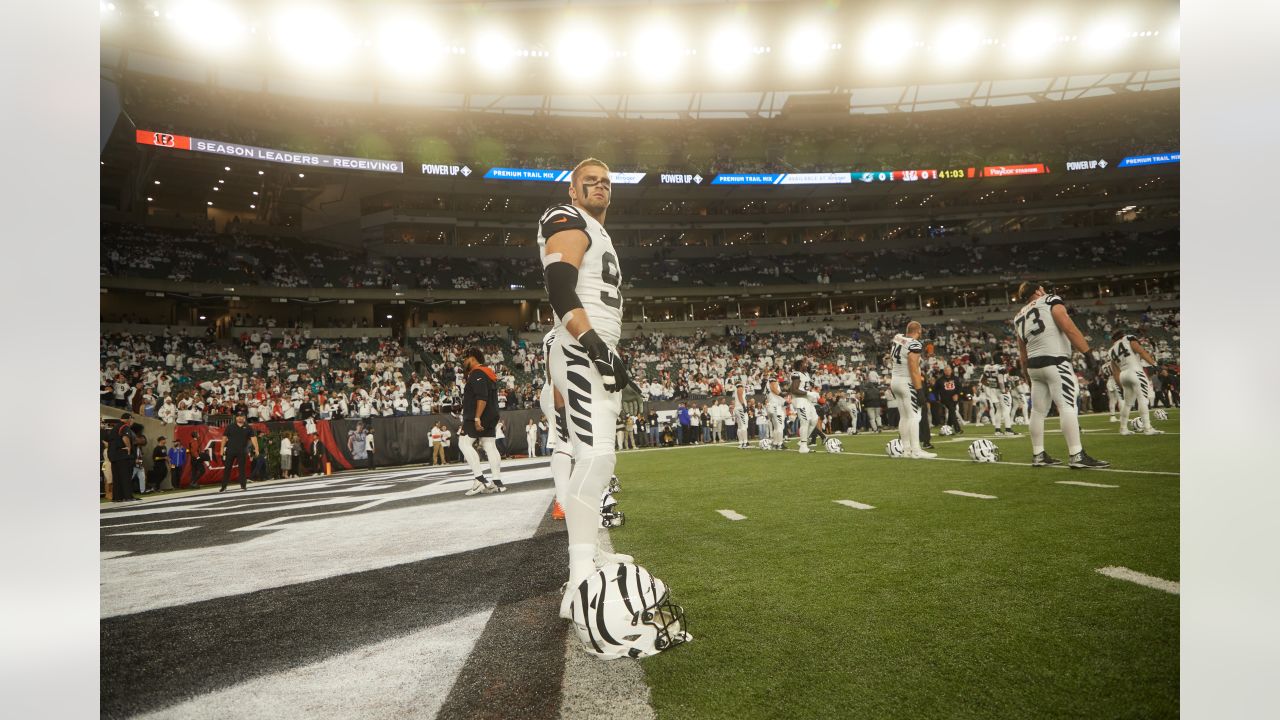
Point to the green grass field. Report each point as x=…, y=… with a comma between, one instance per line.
x=930, y=605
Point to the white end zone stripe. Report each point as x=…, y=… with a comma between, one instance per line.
x=855, y=505
x=1133, y=576
x=166, y=531
x=1085, y=484
x=969, y=494
x=732, y=515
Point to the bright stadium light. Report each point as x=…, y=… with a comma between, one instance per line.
x=887, y=43
x=316, y=38
x=1106, y=37
x=807, y=47
x=583, y=53
x=207, y=26
x=658, y=51
x=730, y=52
x=957, y=43
x=410, y=47
x=1032, y=40
x=495, y=51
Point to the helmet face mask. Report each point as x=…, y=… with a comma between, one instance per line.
x=622, y=611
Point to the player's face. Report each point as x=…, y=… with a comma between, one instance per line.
x=592, y=188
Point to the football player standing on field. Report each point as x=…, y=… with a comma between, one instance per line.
x=776, y=409
x=584, y=283
x=1046, y=335
x=803, y=397
x=1126, y=356
x=905, y=380
x=995, y=386
x=740, y=411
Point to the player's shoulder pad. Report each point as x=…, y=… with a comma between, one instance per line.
x=561, y=217
x=1131, y=338
x=915, y=346
x=1052, y=300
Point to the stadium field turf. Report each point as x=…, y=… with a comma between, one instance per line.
x=929, y=605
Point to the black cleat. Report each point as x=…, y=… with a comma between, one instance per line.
x=1082, y=461
x=1043, y=459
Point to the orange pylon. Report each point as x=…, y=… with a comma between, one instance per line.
x=557, y=512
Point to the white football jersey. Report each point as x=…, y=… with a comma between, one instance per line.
x=993, y=377
x=1124, y=356
x=902, y=348
x=806, y=383
x=599, y=276
x=1034, y=323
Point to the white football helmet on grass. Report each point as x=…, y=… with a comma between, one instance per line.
x=894, y=448
x=946, y=430
x=833, y=445
x=983, y=450
x=621, y=611
x=1160, y=414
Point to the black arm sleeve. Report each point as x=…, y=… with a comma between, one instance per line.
x=562, y=288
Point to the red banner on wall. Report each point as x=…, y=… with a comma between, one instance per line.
x=1007, y=170
x=161, y=139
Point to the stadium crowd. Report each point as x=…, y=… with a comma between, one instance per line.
x=234, y=258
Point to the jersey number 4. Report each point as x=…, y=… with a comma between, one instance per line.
x=612, y=276
x=1120, y=352
x=1034, y=315
x=897, y=353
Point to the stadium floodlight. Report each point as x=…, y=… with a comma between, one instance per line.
x=583, y=53
x=658, y=51
x=207, y=26
x=807, y=47
x=495, y=51
x=410, y=46
x=957, y=42
x=1032, y=40
x=315, y=37
x=887, y=43
x=730, y=52
x=1106, y=37
x=227, y=168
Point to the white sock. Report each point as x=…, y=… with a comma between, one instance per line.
x=490, y=446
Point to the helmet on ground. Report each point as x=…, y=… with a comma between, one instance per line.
x=765, y=444
x=946, y=430
x=613, y=485
x=621, y=611
x=1160, y=414
x=833, y=445
x=1136, y=424
x=610, y=516
x=894, y=448
x=983, y=450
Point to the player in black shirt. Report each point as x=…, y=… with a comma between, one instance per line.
x=947, y=388
x=479, y=421
x=238, y=436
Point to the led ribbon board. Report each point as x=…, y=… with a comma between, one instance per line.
x=250, y=152
x=1158, y=159
x=782, y=179
x=534, y=175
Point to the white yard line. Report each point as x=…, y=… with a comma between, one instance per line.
x=1133, y=576
x=972, y=495
x=1085, y=484
x=855, y=505
x=1059, y=467
x=732, y=515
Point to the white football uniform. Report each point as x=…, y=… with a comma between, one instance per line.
x=599, y=275
x=776, y=411
x=903, y=392
x=995, y=390
x=1134, y=385
x=740, y=409
x=803, y=404
x=1053, y=378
